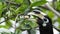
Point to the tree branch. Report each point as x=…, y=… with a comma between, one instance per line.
x=13, y=3
x=56, y=28
x=53, y=10
x=15, y=23
x=2, y=22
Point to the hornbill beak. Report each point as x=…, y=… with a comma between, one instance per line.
x=38, y=13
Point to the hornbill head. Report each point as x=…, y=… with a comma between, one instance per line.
x=42, y=17
x=44, y=22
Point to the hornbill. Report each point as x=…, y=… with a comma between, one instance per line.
x=44, y=22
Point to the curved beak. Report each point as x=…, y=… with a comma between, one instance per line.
x=41, y=15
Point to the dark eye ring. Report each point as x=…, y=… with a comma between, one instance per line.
x=45, y=19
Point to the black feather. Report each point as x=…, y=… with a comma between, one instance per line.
x=48, y=29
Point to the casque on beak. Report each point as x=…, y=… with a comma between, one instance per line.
x=37, y=13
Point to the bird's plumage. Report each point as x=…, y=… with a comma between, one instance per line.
x=48, y=29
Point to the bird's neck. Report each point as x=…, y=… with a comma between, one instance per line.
x=48, y=29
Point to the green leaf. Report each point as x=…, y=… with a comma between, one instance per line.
x=27, y=24
x=19, y=1
x=27, y=2
x=50, y=14
x=8, y=24
x=24, y=6
x=38, y=3
x=1, y=8
x=21, y=9
x=18, y=31
x=2, y=26
x=58, y=5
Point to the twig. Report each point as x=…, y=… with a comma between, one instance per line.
x=56, y=28
x=15, y=23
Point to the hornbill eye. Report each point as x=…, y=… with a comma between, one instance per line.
x=45, y=19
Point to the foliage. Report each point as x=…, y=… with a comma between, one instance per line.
x=9, y=9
